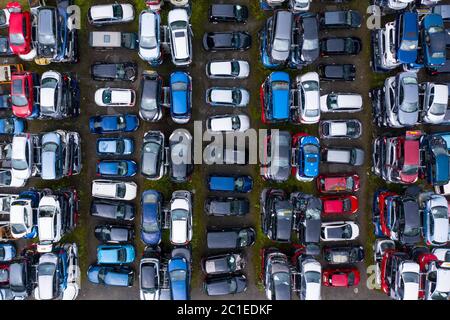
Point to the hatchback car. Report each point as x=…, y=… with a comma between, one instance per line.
x=113, y=123
x=115, y=97
x=351, y=156
x=337, y=72
x=115, y=254
x=341, y=277
x=276, y=165
x=100, y=15
x=307, y=97
x=111, y=276
x=22, y=159
x=435, y=102
x=338, y=183
x=231, y=238
x=22, y=95
x=275, y=94
x=180, y=97
x=20, y=32
x=228, y=40
x=114, y=146
x=279, y=36
x=153, y=156
x=225, y=285
x=180, y=37
x=277, y=216
x=113, y=210
x=181, y=227
x=228, y=123
x=407, y=37
x=340, y=129
x=343, y=255
x=48, y=25
x=116, y=168
x=340, y=46
x=434, y=40
x=276, y=275
x=223, y=207
x=435, y=220
x=340, y=19
x=151, y=220
x=223, y=264
x=114, y=190
x=228, y=13
x=339, y=205
x=149, y=275
x=227, y=97
x=309, y=40
x=181, y=162
x=310, y=278
x=339, y=231
x=307, y=157
x=407, y=281
x=228, y=69
x=179, y=269
x=150, y=107
x=341, y=102
x=223, y=183
x=149, y=37
x=114, y=234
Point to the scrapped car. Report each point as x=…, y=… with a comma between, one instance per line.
x=112, y=210
x=23, y=98
x=149, y=37
x=222, y=183
x=339, y=205
x=180, y=97
x=179, y=269
x=223, y=207
x=150, y=107
x=339, y=231
x=12, y=126
x=338, y=183
x=310, y=278
x=181, y=227
x=341, y=277
x=435, y=102
x=341, y=102
x=307, y=97
x=114, y=146
x=118, y=254
x=111, y=276
x=115, y=97
x=228, y=69
x=308, y=210
x=276, y=165
x=19, y=32
x=435, y=220
x=48, y=25
x=225, y=285
x=229, y=40
x=114, y=234
x=340, y=19
x=231, y=238
x=114, y=190
x=227, y=97
x=151, y=220
x=333, y=46
x=407, y=280
x=275, y=98
x=351, y=156
x=337, y=72
x=307, y=157
x=22, y=156
x=181, y=162
x=180, y=37
x=104, y=71
x=407, y=37
x=343, y=255
x=100, y=15
x=228, y=123
x=116, y=168
x=113, y=123
x=340, y=129
x=153, y=156
x=223, y=264
x=228, y=13
x=276, y=275
x=434, y=41
x=149, y=275
x=277, y=216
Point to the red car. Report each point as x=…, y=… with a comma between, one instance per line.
x=19, y=29
x=334, y=205
x=385, y=229
x=22, y=96
x=338, y=183
x=341, y=277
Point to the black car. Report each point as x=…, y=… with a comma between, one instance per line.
x=232, y=238
x=277, y=216
x=114, y=234
x=340, y=19
x=308, y=209
x=150, y=108
x=334, y=46
x=223, y=264
x=220, y=286
x=228, y=13
x=113, y=210
x=104, y=71
x=220, y=207
x=309, y=39
x=408, y=222
x=5, y=50
x=335, y=72
x=236, y=40
x=343, y=255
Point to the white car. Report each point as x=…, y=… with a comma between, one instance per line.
x=227, y=97
x=50, y=93
x=407, y=281
x=114, y=190
x=115, y=97
x=309, y=97
x=149, y=36
x=22, y=156
x=437, y=286
x=180, y=37
x=49, y=223
x=435, y=102
x=48, y=277
x=111, y=13
x=181, y=218
x=311, y=279
x=299, y=5
x=340, y=129
x=341, y=102
x=21, y=218
x=228, y=69
x=339, y=231
x=387, y=50
x=228, y=123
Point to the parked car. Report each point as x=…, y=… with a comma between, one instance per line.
x=279, y=36
x=275, y=96
x=180, y=37
x=435, y=220
x=339, y=205
x=180, y=97
x=339, y=231
x=351, y=156
x=149, y=37
x=22, y=95
x=333, y=46
x=435, y=102
x=308, y=210
x=5, y=49
x=228, y=69
x=19, y=32
x=228, y=123
x=338, y=183
x=115, y=97
x=20, y=279
x=341, y=102
x=153, y=155
x=181, y=225
x=407, y=281
x=276, y=275
x=51, y=94
x=240, y=184
x=114, y=190
x=104, y=71
x=22, y=156
x=50, y=276
x=434, y=40
x=309, y=40
x=277, y=157
x=277, y=216
x=310, y=278
x=116, y=168
x=308, y=98
x=227, y=97
x=228, y=40
x=340, y=129
x=12, y=126
x=228, y=13
x=22, y=215
x=343, y=255
x=114, y=233
x=341, y=277
x=231, y=238
x=113, y=123
x=407, y=37
x=111, y=276
x=149, y=276
x=115, y=254
x=223, y=207
x=181, y=162
x=337, y=72
x=100, y=15
x=112, y=210
x=179, y=268
x=223, y=264
x=152, y=214
x=225, y=285
x=150, y=107
x=7, y=252
x=115, y=146
x=48, y=26
x=307, y=157
x=340, y=19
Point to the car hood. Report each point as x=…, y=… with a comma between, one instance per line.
x=441, y=230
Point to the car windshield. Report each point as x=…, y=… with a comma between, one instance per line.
x=18, y=228
x=19, y=164
x=9, y=125
x=310, y=86
x=150, y=227
x=411, y=231
x=178, y=275
x=312, y=214
x=281, y=44
x=439, y=212
x=177, y=25
x=120, y=146
x=244, y=239
x=410, y=170
x=235, y=68
x=50, y=147
x=117, y=11
x=280, y=162
x=121, y=123
x=311, y=149
x=235, y=123
x=409, y=45
x=310, y=44
x=179, y=86
x=49, y=83
x=438, y=109
x=349, y=184
x=410, y=277
x=346, y=232
x=121, y=255
x=46, y=211
x=121, y=190
x=46, y=269
x=282, y=281
x=312, y=277
x=16, y=39
x=122, y=168
x=106, y=96
x=231, y=262
x=332, y=101
x=179, y=215
x=280, y=85
x=435, y=29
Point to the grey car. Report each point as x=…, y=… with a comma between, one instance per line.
x=150, y=108
x=112, y=210
x=232, y=238
x=277, y=216
x=52, y=158
x=277, y=157
x=223, y=264
x=277, y=275
x=225, y=285
x=220, y=207
x=310, y=40
x=19, y=280
x=181, y=163
x=280, y=36
x=47, y=40
x=153, y=155
x=407, y=98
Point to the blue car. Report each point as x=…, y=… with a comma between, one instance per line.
x=110, y=276
x=179, y=278
x=113, y=123
x=436, y=158
x=180, y=97
x=151, y=202
x=115, y=146
x=11, y=126
x=407, y=37
x=240, y=184
x=265, y=57
x=7, y=252
x=275, y=98
x=116, y=254
x=308, y=157
x=116, y=168
x=434, y=39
